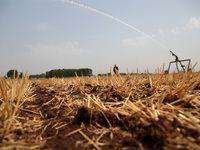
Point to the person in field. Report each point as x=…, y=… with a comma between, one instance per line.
x=115, y=69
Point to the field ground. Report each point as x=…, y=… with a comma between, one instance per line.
x=160, y=111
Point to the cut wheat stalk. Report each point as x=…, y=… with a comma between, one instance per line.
x=73, y=132
x=89, y=140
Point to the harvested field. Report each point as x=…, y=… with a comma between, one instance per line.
x=160, y=111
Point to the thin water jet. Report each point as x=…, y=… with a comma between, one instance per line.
x=116, y=19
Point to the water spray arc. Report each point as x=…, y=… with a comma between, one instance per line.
x=135, y=29
x=116, y=19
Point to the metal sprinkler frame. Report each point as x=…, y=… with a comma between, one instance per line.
x=179, y=61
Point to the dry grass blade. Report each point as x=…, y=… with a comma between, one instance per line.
x=29, y=111
x=13, y=91
x=22, y=89
x=89, y=140
x=7, y=109
x=73, y=132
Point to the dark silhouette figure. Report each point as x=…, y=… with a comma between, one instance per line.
x=115, y=69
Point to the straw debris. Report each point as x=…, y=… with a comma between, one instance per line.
x=159, y=111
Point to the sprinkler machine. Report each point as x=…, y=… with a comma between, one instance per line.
x=177, y=60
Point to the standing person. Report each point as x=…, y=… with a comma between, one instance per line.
x=115, y=69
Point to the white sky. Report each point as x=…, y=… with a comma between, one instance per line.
x=40, y=35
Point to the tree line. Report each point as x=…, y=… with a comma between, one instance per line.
x=68, y=72
x=58, y=73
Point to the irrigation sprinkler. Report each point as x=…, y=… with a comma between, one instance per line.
x=177, y=60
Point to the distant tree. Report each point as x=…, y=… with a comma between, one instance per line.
x=68, y=72
x=10, y=73
x=122, y=74
x=37, y=76
x=20, y=75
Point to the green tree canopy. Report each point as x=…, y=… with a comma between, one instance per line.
x=10, y=73
x=68, y=72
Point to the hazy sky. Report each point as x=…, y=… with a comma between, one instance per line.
x=40, y=35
